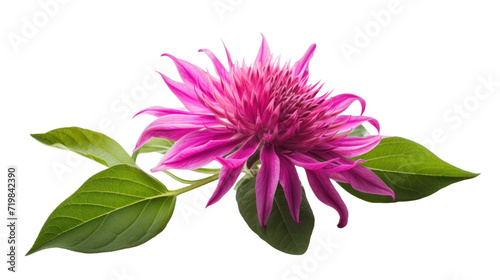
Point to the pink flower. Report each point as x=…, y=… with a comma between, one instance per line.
x=271, y=112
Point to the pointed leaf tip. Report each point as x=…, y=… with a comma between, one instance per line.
x=409, y=169
x=281, y=231
x=120, y=207
x=88, y=143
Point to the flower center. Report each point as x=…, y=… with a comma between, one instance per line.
x=271, y=103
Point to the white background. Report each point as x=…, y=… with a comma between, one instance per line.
x=85, y=65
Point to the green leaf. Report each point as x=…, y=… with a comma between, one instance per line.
x=359, y=131
x=281, y=231
x=88, y=143
x=158, y=145
x=409, y=169
x=118, y=208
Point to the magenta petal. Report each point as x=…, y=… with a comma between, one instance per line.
x=289, y=180
x=219, y=68
x=229, y=175
x=229, y=60
x=342, y=166
x=189, y=73
x=307, y=162
x=198, y=156
x=267, y=182
x=264, y=52
x=323, y=189
x=158, y=111
x=194, y=139
x=192, y=75
x=342, y=101
x=332, y=165
x=230, y=162
x=355, y=146
x=186, y=94
x=351, y=122
x=363, y=180
x=302, y=65
x=173, y=127
x=227, y=178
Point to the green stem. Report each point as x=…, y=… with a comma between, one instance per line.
x=195, y=185
x=178, y=179
x=207, y=170
x=134, y=156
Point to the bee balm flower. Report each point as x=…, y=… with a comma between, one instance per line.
x=269, y=112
